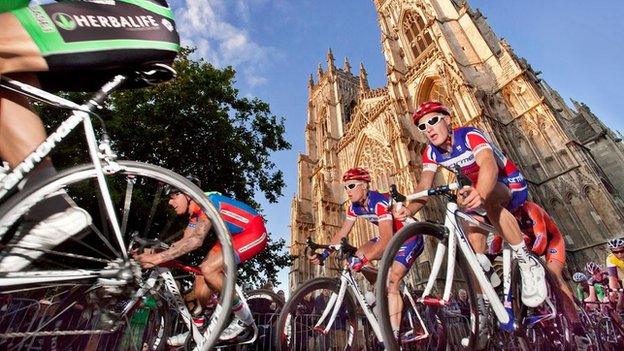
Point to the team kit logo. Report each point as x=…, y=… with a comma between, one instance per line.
x=71, y=22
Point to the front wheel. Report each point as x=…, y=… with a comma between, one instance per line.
x=84, y=250
x=455, y=329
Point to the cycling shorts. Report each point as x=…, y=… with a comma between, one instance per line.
x=93, y=41
x=249, y=242
x=410, y=250
x=519, y=190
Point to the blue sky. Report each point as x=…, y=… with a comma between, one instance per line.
x=275, y=46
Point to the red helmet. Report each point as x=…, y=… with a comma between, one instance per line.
x=356, y=173
x=427, y=107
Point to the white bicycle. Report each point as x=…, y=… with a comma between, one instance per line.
x=335, y=323
x=517, y=327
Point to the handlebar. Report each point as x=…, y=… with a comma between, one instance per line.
x=447, y=189
x=344, y=249
x=139, y=244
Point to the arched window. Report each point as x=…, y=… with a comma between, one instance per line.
x=348, y=111
x=416, y=33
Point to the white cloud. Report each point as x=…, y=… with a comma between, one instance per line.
x=209, y=26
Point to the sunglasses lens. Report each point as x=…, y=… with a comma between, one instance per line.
x=433, y=121
x=422, y=127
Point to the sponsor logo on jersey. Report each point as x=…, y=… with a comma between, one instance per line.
x=42, y=19
x=71, y=22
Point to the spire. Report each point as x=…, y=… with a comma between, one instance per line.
x=330, y=61
x=347, y=65
x=311, y=81
x=363, y=77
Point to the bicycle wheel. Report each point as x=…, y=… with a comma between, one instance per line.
x=265, y=306
x=535, y=332
x=297, y=327
x=447, y=328
x=96, y=258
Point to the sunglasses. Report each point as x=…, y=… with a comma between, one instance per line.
x=618, y=252
x=431, y=121
x=351, y=186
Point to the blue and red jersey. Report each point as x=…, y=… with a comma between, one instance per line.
x=376, y=209
x=236, y=215
x=467, y=143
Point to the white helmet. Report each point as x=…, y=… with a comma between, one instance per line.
x=615, y=243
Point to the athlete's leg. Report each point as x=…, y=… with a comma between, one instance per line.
x=395, y=301
x=18, y=52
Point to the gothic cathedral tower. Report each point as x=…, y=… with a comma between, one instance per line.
x=444, y=50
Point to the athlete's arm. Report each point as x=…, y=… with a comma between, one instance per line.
x=488, y=174
x=335, y=239
x=385, y=234
x=192, y=239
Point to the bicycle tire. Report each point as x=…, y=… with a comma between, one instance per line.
x=407, y=232
x=288, y=316
x=152, y=177
x=547, y=342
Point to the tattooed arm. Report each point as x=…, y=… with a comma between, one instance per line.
x=192, y=239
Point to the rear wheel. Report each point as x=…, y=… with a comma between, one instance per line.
x=536, y=331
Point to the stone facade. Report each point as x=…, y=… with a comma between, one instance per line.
x=444, y=50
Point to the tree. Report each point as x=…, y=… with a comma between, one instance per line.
x=196, y=124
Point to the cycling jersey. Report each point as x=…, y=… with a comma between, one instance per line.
x=249, y=235
x=615, y=267
x=467, y=143
x=377, y=209
x=543, y=233
x=99, y=38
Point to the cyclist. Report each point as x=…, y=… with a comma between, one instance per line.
x=615, y=268
x=376, y=208
x=46, y=46
x=249, y=238
x=498, y=187
x=598, y=284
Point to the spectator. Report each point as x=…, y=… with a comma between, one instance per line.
x=463, y=303
x=281, y=294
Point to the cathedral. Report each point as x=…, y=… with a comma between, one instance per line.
x=444, y=50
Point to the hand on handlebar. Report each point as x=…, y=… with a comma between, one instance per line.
x=148, y=260
x=401, y=213
x=469, y=198
x=356, y=263
x=318, y=258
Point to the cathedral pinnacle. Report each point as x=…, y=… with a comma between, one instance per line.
x=330, y=61
x=363, y=77
x=311, y=81
x=320, y=71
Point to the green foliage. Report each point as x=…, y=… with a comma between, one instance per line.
x=196, y=124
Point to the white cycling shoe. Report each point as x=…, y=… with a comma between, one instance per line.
x=46, y=235
x=237, y=330
x=534, y=289
x=177, y=340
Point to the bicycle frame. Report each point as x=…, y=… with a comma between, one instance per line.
x=97, y=153
x=336, y=300
x=456, y=237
